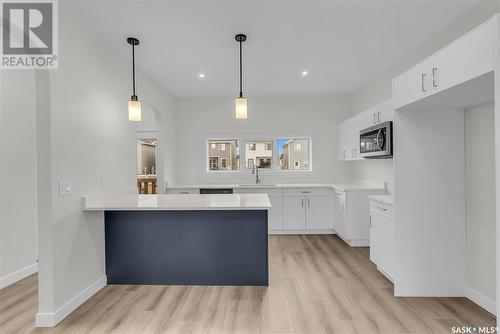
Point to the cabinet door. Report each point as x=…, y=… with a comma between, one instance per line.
x=339, y=214
x=275, y=215
x=411, y=85
x=294, y=213
x=385, y=112
x=374, y=241
x=318, y=213
x=383, y=244
x=465, y=59
x=341, y=141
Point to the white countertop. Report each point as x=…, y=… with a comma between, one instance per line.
x=342, y=187
x=171, y=202
x=386, y=199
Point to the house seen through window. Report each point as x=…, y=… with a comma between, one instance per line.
x=259, y=153
x=223, y=155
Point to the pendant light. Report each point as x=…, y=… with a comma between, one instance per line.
x=134, y=106
x=241, y=102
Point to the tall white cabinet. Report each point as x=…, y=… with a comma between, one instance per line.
x=429, y=172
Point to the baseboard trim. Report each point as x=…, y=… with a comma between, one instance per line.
x=481, y=300
x=18, y=275
x=325, y=231
x=52, y=319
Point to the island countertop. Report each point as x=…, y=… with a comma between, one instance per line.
x=172, y=202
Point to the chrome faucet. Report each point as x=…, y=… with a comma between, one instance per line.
x=255, y=171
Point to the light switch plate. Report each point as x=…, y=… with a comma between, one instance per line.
x=65, y=187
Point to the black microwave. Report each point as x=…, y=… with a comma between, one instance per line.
x=375, y=142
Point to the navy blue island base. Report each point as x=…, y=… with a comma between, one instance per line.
x=209, y=247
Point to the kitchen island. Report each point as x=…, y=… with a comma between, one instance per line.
x=185, y=239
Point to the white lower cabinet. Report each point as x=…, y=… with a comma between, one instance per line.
x=307, y=213
x=275, y=215
x=294, y=213
x=318, y=213
x=351, y=216
x=382, y=237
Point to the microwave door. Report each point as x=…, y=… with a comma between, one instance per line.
x=373, y=143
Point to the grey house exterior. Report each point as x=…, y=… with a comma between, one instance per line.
x=223, y=155
x=295, y=155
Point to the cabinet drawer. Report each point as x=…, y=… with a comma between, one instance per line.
x=306, y=191
x=271, y=192
x=183, y=191
x=382, y=208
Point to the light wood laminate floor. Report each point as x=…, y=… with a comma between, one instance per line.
x=317, y=285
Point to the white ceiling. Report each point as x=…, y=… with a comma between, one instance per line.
x=342, y=44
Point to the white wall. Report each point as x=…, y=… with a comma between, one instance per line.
x=91, y=140
x=315, y=116
x=381, y=89
x=480, y=200
x=18, y=246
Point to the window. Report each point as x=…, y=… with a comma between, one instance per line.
x=264, y=162
x=294, y=153
x=214, y=163
x=223, y=155
x=260, y=153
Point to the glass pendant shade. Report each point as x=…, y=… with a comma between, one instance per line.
x=134, y=111
x=241, y=108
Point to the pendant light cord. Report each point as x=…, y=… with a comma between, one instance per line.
x=241, y=71
x=133, y=69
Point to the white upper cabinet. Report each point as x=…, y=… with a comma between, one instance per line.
x=348, y=131
x=412, y=85
x=468, y=57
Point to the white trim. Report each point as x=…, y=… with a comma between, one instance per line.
x=52, y=319
x=481, y=300
x=298, y=231
x=18, y=275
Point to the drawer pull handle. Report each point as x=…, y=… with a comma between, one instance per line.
x=305, y=192
x=380, y=208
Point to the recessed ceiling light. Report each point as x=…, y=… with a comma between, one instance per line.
x=201, y=75
x=304, y=73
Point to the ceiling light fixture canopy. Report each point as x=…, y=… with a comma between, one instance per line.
x=134, y=106
x=241, y=102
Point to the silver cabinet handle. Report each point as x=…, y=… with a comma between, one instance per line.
x=378, y=117
x=374, y=119
x=308, y=202
x=302, y=201
x=423, y=82
x=434, y=75
x=305, y=191
x=344, y=154
x=380, y=208
x=184, y=192
x=371, y=225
